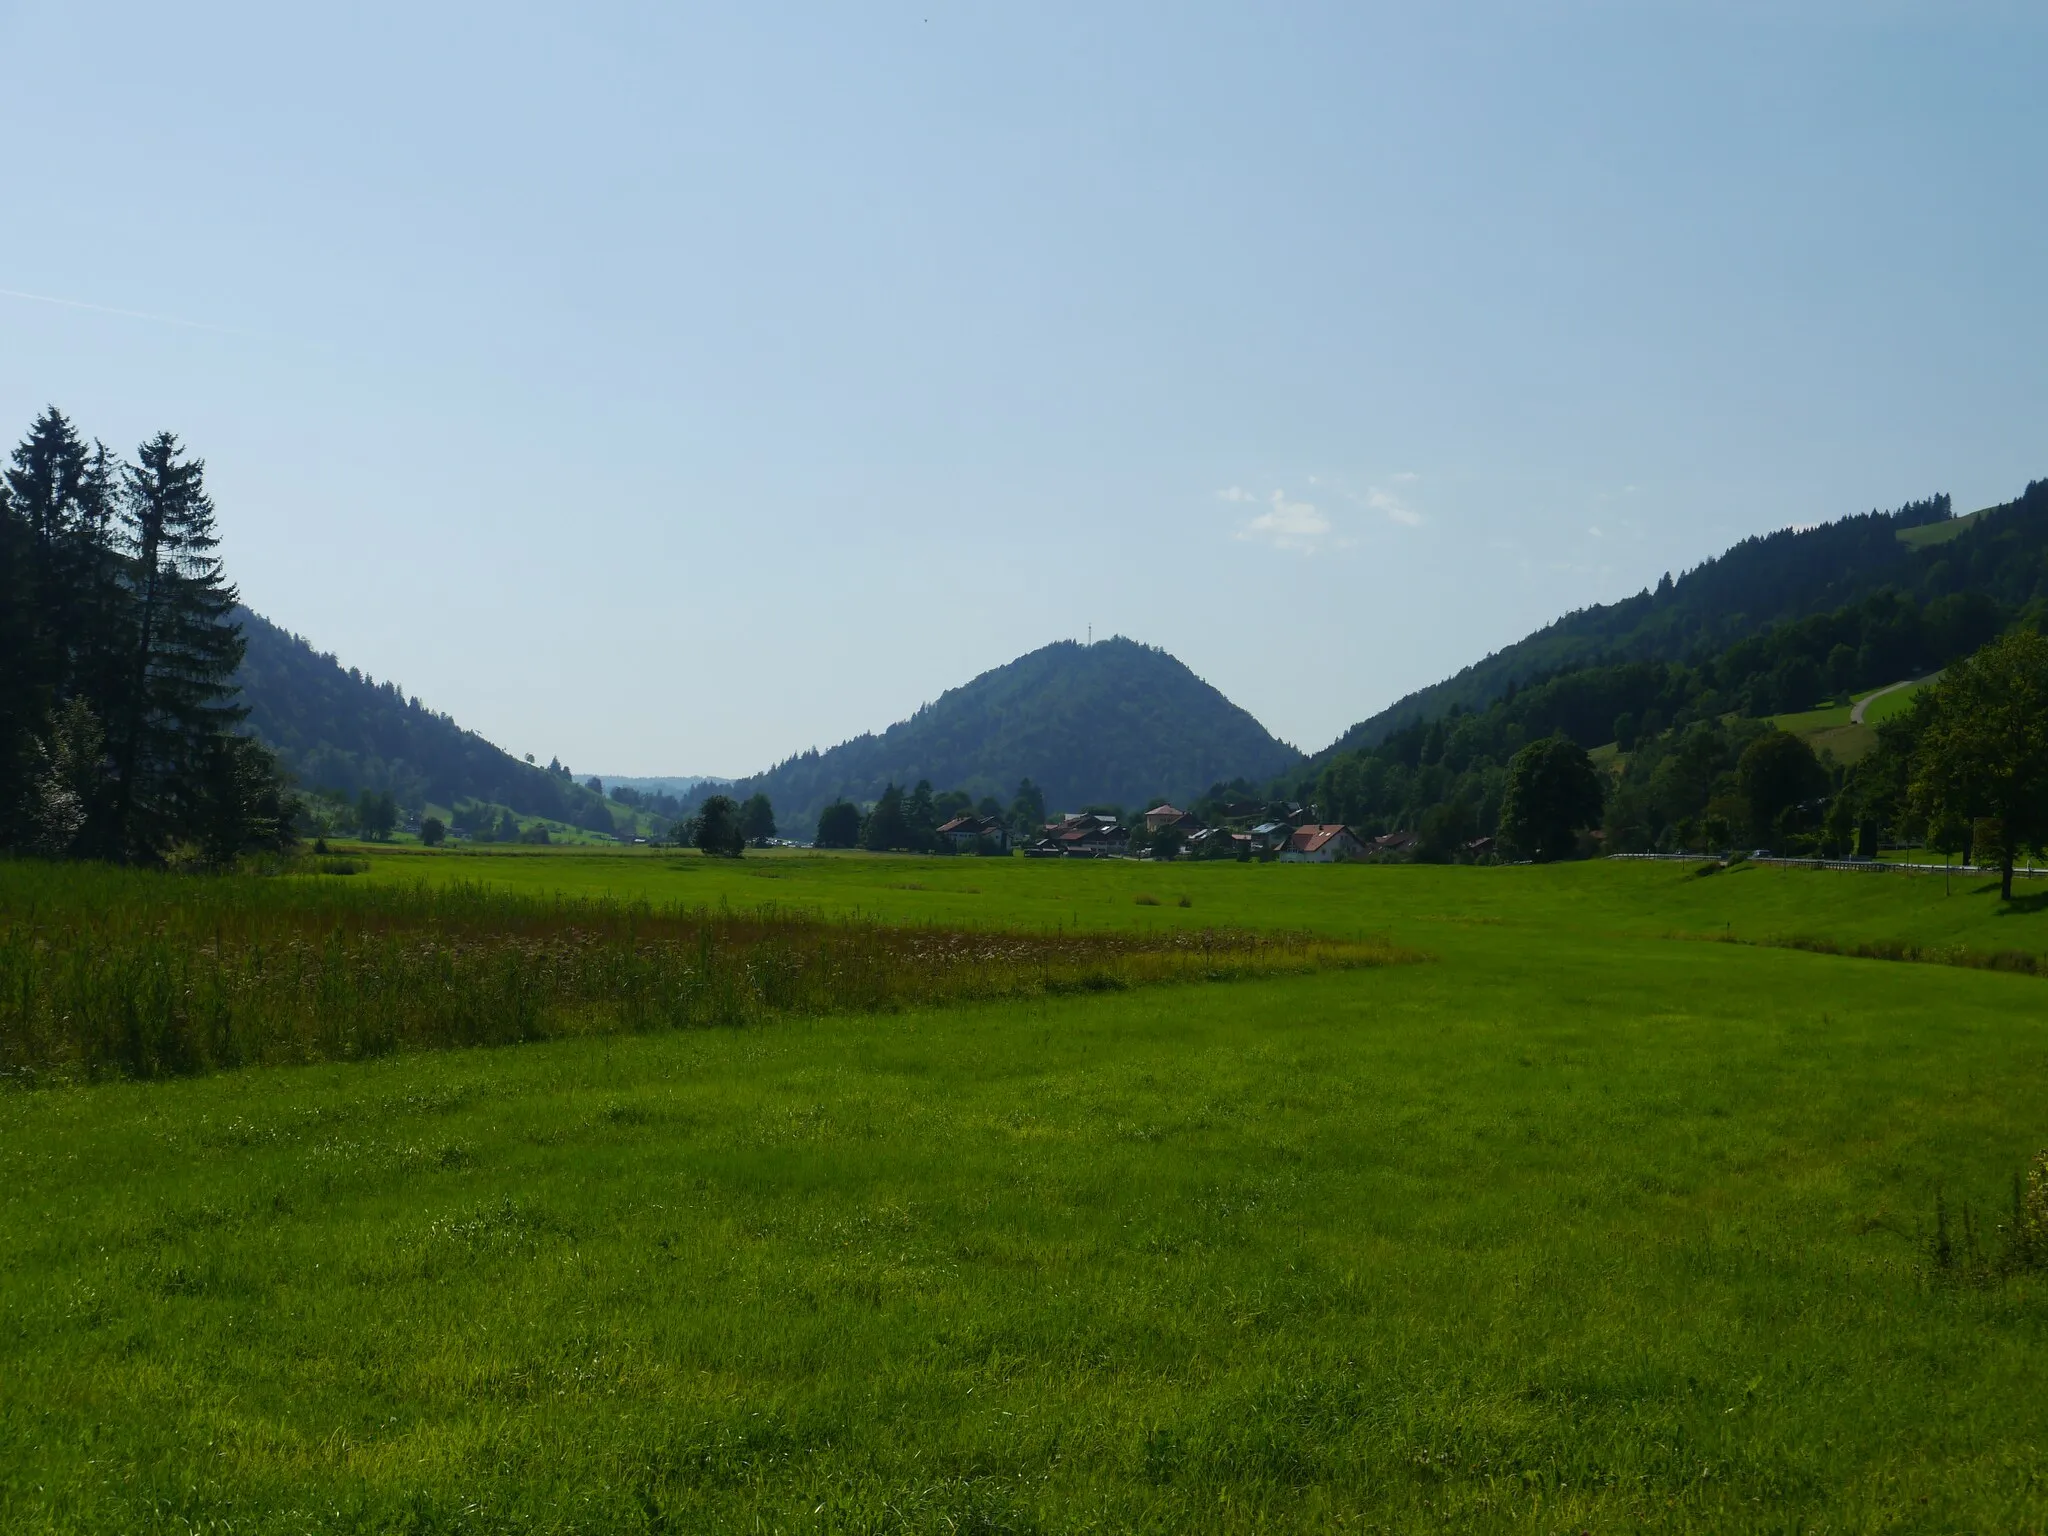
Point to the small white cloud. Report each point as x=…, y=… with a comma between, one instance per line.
x=1405, y=477
x=1393, y=507
x=1235, y=493
x=1286, y=524
x=1595, y=531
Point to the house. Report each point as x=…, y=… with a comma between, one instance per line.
x=967, y=834
x=1322, y=843
x=1393, y=843
x=1164, y=816
x=1271, y=836
x=1087, y=836
x=1218, y=843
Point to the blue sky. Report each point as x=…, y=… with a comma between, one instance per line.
x=671, y=389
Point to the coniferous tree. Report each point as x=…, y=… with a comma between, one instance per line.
x=42, y=493
x=920, y=815
x=886, y=826
x=19, y=683
x=1027, y=810
x=183, y=650
x=757, y=820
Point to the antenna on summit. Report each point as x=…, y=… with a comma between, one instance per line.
x=1091, y=634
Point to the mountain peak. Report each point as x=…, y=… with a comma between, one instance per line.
x=1109, y=722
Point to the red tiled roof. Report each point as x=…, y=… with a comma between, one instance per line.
x=1310, y=838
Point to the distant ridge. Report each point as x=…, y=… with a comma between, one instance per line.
x=677, y=784
x=1104, y=724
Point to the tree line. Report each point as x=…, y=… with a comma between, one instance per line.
x=898, y=822
x=118, y=650
x=910, y=822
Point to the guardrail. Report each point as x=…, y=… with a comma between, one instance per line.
x=1879, y=866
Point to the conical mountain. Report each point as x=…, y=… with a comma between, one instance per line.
x=1105, y=724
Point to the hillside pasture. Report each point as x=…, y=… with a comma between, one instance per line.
x=1585, y=1224
x=1833, y=728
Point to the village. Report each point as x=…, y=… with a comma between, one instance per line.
x=1255, y=832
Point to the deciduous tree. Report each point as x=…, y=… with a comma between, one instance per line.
x=1777, y=772
x=1553, y=792
x=757, y=820
x=839, y=825
x=1982, y=754
x=718, y=828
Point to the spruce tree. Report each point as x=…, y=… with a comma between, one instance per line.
x=44, y=483
x=757, y=820
x=19, y=686
x=62, y=492
x=920, y=814
x=886, y=826
x=183, y=650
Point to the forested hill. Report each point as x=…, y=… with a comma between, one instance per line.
x=1109, y=723
x=1760, y=582
x=333, y=728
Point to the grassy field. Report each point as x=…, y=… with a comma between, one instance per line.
x=1929, y=534
x=1831, y=728
x=1584, y=1223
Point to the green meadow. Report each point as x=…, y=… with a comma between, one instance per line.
x=1605, y=1207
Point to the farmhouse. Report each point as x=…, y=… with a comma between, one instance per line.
x=968, y=833
x=1170, y=816
x=1081, y=837
x=1218, y=843
x=1322, y=843
x=1269, y=836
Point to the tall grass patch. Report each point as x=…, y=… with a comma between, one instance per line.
x=113, y=972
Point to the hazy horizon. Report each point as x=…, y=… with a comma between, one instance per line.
x=684, y=389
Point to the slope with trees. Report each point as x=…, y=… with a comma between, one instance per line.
x=1999, y=554
x=1680, y=727
x=341, y=733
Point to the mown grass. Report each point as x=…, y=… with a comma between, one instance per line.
x=1433, y=907
x=1578, y=1228
x=109, y=970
